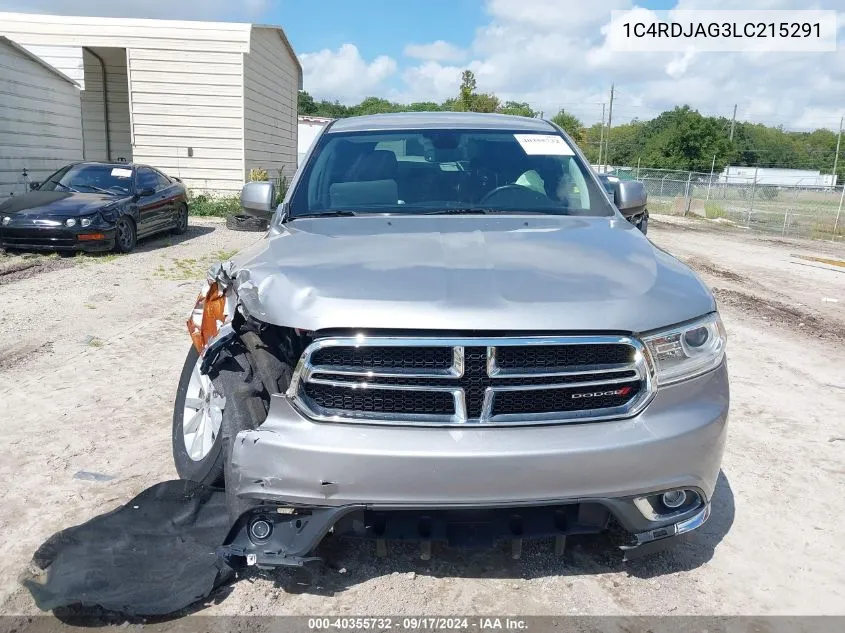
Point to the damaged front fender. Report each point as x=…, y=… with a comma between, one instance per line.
x=214, y=307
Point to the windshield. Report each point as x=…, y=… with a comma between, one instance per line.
x=91, y=178
x=443, y=171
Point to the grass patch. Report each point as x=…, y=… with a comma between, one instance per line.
x=206, y=205
x=223, y=255
x=94, y=341
x=190, y=268
x=713, y=210
x=100, y=258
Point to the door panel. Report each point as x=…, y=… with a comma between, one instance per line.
x=153, y=209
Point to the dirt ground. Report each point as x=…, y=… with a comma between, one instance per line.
x=90, y=352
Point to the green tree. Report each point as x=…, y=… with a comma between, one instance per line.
x=466, y=93
x=306, y=103
x=571, y=124
x=684, y=139
x=518, y=108
x=484, y=102
x=375, y=105
x=424, y=106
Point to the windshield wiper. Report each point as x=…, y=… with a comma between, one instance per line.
x=99, y=189
x=469, y=211
x=61, y=184
x=325, y=214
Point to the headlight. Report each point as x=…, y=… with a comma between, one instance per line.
x=70, y=222
x=86, y=221
x=689, y=350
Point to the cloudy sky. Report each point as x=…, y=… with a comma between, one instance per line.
x=550, y=53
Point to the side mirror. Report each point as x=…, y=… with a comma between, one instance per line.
x=257, y=199
x=143, y=193
x=34, y=185
x=630, y=195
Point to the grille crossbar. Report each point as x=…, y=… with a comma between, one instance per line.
x=452, y=381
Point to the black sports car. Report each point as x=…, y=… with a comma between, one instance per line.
x=94, y=207
x=637, y=217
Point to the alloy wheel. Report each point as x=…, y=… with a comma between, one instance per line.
x=202, y=416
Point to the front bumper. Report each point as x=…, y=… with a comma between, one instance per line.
x=675, y=443
x=35, y=238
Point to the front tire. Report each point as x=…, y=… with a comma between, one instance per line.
x=235, y=397
x=181, y=220
x=246, y=223
x=197, y=417
x=125, y=235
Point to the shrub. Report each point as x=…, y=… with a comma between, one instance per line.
x=257, y=174
x=768, y=192
x=204, y=204
x=282, y=185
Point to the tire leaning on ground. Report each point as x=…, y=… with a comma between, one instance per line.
x=125, y=235
x=246, y=223
x=181, y=220
x=209, y=412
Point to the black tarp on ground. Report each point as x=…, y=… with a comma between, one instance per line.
x=153, y=556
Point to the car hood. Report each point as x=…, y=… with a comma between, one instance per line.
x=461, y=273
x=63, y=204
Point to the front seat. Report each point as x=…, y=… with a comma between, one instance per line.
x=370, y=181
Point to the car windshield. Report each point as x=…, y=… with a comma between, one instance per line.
x=446, y=171
x=91, y=178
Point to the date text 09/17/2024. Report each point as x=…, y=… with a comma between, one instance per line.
x=422, y=623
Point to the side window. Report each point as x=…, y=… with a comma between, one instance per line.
x=147, y=179
x=162, y=181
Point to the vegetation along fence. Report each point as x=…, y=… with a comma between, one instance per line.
x=803, y=211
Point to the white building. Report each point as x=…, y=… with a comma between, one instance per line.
x=40, y=120
x=776, y=177
x=203, y=101
x=309, y=128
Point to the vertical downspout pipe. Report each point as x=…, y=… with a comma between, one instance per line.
x=105, y=102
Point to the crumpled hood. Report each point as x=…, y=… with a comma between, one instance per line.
x=63, y=204
x=495, y=273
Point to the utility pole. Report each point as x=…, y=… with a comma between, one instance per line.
x=836, y=156
x=733, y=122
x=710, y=182
x=601, y=138
x=609, y=124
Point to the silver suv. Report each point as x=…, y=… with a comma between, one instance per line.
x=451, y=333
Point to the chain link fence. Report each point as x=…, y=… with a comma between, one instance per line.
x=811, y=212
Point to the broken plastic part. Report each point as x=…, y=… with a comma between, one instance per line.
x=207, y=316
x=214, y=307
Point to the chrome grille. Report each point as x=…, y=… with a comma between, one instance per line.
x=445, y=381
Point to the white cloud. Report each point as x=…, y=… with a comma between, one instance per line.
x=555, y=53
x=343, y=74
x=439, y=51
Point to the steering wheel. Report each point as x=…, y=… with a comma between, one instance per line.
x=528, y=195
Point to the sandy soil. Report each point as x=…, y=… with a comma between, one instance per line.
x=90, y=352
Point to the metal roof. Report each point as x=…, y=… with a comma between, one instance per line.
x=20, y=49
x=440, y=120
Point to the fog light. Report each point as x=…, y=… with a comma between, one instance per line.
x=260, y=529
x=674, y=499
x=70, y=222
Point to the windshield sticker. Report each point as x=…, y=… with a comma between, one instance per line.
x=544, y=145
x=121, y=173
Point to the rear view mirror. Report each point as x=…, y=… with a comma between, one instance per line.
x=143, y=193
x=257, y=199
x=34, y=185
x=629, y=195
